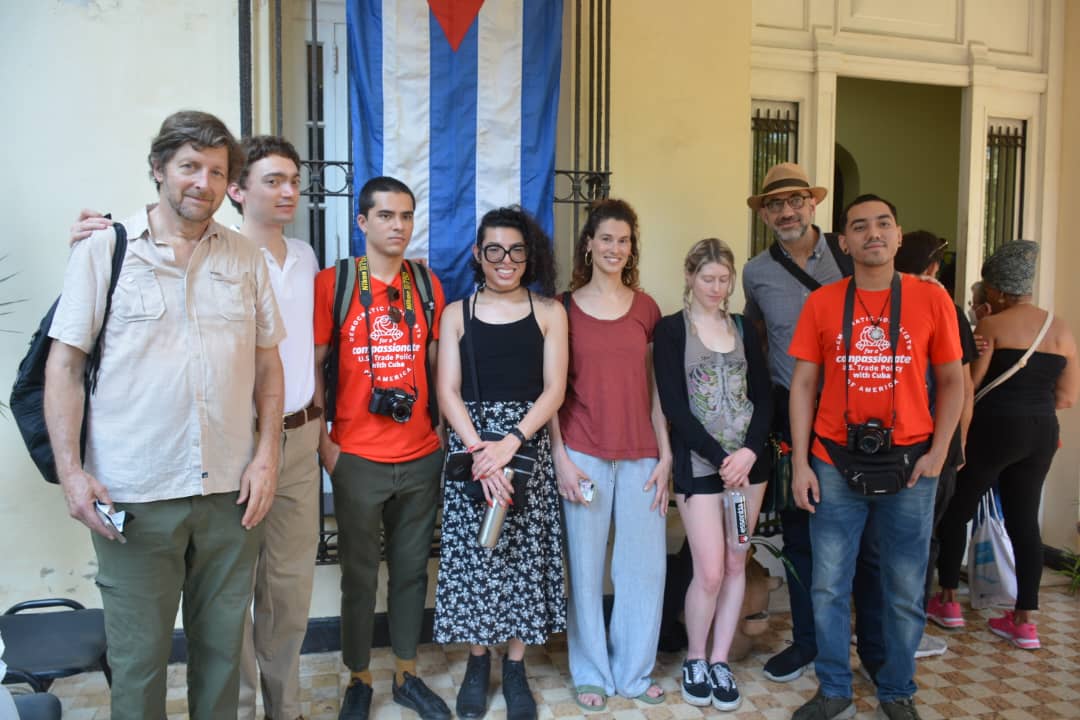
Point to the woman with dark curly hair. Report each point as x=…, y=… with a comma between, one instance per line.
x=516, y=341
x=612, y=459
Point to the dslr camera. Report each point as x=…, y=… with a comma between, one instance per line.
x=869, y=438
x=392, y=402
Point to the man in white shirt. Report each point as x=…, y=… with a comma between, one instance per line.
x=266, y=194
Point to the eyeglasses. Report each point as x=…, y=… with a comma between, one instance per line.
x=795, y=201
x=393, y=295
x=495, y=253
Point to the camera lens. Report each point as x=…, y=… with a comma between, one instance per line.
x=869, y=443
x=401, y=411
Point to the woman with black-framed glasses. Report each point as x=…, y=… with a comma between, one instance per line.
x=502, y=370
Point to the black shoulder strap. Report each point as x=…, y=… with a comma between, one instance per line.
x=344, y=288
x=422, y=281
x=843, y=260
x=739, y=324
x=93, y=362
x=788, y=264
x=466, y=338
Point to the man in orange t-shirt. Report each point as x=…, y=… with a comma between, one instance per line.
x=877, y=449
x=383, y=454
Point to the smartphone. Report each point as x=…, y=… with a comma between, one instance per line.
x=116, y=520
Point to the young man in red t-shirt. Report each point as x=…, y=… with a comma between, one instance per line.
x=877, y=449
x=383, y=454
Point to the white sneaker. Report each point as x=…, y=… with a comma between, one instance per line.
x=929, y=646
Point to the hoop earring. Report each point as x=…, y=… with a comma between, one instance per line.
x=588, y=256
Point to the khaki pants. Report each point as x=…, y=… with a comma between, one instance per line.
x=284, y=574
x=403, y=499
x=193, y=547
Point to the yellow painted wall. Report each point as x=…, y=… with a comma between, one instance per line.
x=680, y=129
x=905, y=140
x=86, y=86
x=1061, y=511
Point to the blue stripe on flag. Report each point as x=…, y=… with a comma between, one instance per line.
x=453, y=160
x=364, y=21
x=542, y=52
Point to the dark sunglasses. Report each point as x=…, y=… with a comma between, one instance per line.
x=393, y=295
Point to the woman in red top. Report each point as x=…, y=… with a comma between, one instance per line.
x=612, y=461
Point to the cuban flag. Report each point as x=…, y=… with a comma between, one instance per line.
x=458, y=99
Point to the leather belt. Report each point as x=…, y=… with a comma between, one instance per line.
x=301, y=417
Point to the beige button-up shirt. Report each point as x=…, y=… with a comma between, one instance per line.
x=172, y=415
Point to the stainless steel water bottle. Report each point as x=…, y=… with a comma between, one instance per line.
x=491, y=526
x=736, y=523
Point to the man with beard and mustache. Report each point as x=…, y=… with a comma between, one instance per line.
x=191, y=342
x=776, y=283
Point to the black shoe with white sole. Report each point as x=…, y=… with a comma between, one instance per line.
x=725, y=693
x=696, y=688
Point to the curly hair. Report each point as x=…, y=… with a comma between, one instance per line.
x=599, y=211
x=540, y=266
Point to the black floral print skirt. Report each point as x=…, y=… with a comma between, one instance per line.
x=516, y=589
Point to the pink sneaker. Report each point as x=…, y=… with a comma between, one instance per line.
x=945, y=614
x=1023, y=636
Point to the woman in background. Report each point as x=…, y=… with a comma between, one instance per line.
x=1013, y=436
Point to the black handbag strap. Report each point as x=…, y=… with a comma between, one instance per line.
x=470, y=351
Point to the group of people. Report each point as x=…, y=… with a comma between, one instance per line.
x=557, y=416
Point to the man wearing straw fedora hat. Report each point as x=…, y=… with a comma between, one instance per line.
x=776, y=283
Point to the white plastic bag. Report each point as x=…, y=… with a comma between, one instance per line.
x=991, y=566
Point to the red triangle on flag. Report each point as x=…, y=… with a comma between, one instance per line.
x=455, y=17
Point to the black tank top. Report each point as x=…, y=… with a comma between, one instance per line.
x=1030, y=391
x=509, y=358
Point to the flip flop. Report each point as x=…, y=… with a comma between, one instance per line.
x=590, y=689
x=648, y=699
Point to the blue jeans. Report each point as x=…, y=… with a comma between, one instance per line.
x=903, y=523
x=867, y=593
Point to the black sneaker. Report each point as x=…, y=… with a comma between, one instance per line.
x=357, y=701
x=419, y=698
x=788, y=664
x=520, y=704
x=472, y=696
x=903, y=709
x=725, y=693
x=826, y=708
x=696, y=688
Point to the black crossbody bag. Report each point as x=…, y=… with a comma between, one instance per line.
x=886, y=470
x=458, y=467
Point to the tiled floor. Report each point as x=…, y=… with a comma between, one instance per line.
x=981, y=676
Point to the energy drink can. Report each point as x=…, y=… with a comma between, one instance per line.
x=736, y=522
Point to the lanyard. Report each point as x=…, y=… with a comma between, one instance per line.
x=366, y=298
x=894, y=337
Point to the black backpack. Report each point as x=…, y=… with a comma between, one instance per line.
x=28, y=393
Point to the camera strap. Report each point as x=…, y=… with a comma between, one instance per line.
x=367, y=298
x=894, y=338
